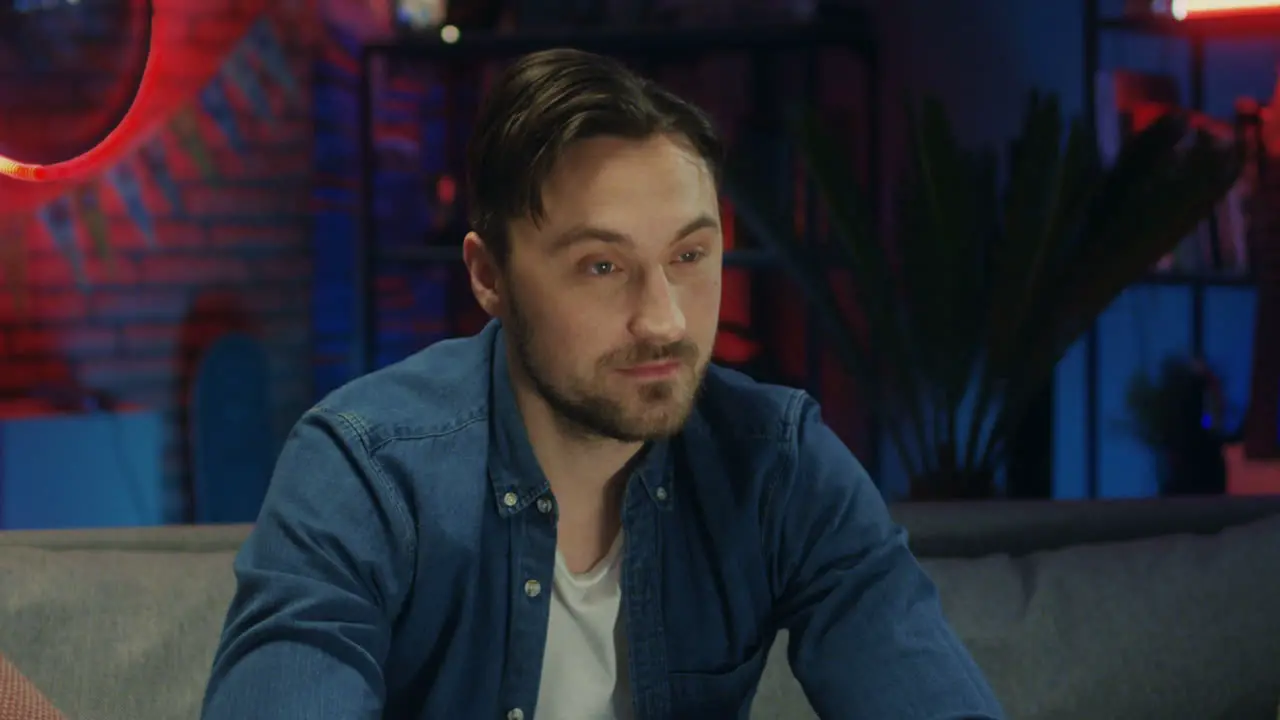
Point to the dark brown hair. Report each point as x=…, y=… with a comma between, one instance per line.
x=544, y=102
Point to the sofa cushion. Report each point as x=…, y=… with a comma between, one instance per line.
x=1178, y=626
x=1181, y=626
x=115, y=635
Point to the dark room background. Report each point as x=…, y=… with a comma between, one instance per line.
x=245, y=218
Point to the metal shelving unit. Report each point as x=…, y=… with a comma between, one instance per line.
x=1196, y=33
x=852, y=33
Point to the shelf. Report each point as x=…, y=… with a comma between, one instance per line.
x=426, y=255
x=765, y=259
x=854, y=31
x=1260, y=26
x=439, y=255
x=1202, y=280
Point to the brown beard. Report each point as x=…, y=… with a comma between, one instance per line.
x=600, y=416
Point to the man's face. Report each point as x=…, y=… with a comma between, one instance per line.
x=612, y=301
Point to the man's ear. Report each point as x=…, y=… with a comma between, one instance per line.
x=482, y=267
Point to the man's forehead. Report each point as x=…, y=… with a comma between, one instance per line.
x=612, y=163
x=621, y=186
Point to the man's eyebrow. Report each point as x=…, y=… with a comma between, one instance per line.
x=702, y=222
x=585, y=233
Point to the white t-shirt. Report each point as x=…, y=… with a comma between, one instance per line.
x=584, y=667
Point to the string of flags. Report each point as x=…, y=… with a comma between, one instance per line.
x=13, y=236
x=256, y=68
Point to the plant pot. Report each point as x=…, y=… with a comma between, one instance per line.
x=1196, y=467
x=943, y=485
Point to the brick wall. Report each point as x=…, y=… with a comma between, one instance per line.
x=337, y=201
x=237, y=255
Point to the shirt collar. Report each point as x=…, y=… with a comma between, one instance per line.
x=517, y=478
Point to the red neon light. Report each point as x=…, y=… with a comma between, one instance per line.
x=1190, y=9
x=89, y=160
x=175, y=71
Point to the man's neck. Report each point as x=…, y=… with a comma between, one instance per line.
x=588, y=476
x=581, y=468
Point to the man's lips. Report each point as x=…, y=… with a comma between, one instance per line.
x=660, y=369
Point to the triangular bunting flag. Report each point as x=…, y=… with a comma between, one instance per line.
x=156, y=161
x=89, y=208
x=124, y=180
x=214, y=100
x=186, y=128
x=265, y=44
x=59, y=222
x=13, y=257
x=243, y=75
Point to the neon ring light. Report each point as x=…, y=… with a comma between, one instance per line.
x=1193, y=9
x=96, y=133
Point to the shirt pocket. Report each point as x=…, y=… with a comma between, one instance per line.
x=723, y=694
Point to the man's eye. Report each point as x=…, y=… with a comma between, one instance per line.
x=691, y=256
x=601, y=268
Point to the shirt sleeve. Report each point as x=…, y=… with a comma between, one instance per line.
x=867, y=633
x=318, y=584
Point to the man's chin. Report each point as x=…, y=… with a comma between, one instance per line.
x=654, y=423
x=646, y=433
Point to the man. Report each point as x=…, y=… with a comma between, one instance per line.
x=572, y=513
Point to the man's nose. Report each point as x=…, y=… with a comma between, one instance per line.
x=658, y=317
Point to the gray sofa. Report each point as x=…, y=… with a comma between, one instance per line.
x=1098, y=611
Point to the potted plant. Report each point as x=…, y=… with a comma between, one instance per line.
x=1178, y=414
x=988, y=278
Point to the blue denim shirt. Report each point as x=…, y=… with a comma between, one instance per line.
x=402, y=563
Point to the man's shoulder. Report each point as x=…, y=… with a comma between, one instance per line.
x=734, y=405
x=436, y=391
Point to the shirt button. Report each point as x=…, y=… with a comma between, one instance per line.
x=544, y=505
x=515, y=714
x=510, y=500
x=661, y=492
x=532, y=588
